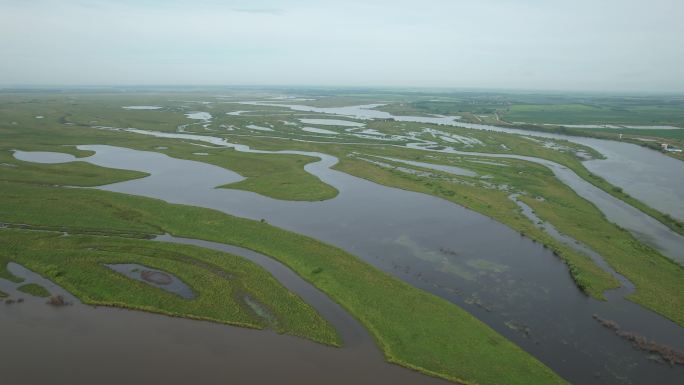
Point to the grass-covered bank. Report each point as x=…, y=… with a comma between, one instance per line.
x=329, y=268
x=414, y=328
x=279, y=176
x=220, y=281
x=493, y=203
x=535, y=117
x=658, y=279
x=34, y=289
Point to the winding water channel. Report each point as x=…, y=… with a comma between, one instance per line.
x=514, y=285
x=79, y=344
x=635, y=169
x=642, y=226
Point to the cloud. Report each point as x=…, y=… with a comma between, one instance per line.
x=269, y=11
x=527, y=44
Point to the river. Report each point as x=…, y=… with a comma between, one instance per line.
x=514, y=285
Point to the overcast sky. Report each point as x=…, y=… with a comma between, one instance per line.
x=604, y=45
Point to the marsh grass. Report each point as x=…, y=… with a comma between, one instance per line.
x=77, y=264
x=34, y=289
x=413, y=328
x=658, y=279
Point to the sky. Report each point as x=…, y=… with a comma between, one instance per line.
x=580, y=45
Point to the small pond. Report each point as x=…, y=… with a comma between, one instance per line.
x=153, y=277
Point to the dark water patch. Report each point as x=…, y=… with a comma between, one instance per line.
x=153, y=277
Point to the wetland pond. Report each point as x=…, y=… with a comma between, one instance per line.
x=514, y=285
x=153, y=277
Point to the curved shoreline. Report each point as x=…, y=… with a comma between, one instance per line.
x=353, y=334
x=200, y=185
x=642, y=226
x=606, y=147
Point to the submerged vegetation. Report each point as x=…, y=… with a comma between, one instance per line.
x=667, y=354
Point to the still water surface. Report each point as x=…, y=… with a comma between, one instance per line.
x=509, y=282
x=79, y=344
x=647, y=175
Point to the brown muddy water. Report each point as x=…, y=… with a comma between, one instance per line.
x=80, y=344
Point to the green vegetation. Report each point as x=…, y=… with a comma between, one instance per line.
x=565, y=155
x=4, y=273
x=414, y=328
x=34, y=290
x=495, y=204
x=657, y=278
x=548, y=112
x=548, y=108
x=673, y=223
x=596, y=113
x=220, y=281
x=276, y=176
x=649, y=138
x=3, y=294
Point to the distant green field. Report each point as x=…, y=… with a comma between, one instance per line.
x=670, y=134
x=547, y=108
x=594, y=114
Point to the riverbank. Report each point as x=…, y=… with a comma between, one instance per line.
x=422, y=338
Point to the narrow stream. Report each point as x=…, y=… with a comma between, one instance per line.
x=353, y=335
x=626, y=286
x=507, y=281
x=642, y=226
x=633, y=168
